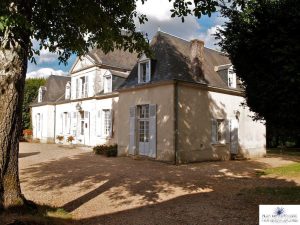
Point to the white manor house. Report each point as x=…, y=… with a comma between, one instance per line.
x=182, y=105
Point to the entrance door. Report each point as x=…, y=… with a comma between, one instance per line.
x=234, y=137
x=143, y=131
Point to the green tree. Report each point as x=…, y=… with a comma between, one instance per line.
x=263, y=43
x=65, y=27
x=30, y=93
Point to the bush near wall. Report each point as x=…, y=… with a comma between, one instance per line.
x=107, y=150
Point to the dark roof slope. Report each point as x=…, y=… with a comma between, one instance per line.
x=172, y=62
x=55, y=88
x=117, y=58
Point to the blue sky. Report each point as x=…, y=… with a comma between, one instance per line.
x=158, y=14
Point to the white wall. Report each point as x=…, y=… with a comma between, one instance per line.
x=252, y=134
x=91, y=106
x=46, y=134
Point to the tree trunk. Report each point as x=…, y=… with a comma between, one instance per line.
x=13, y=67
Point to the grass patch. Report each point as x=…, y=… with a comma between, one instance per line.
x=273, y=195
x=291, y=170
x=42, y=215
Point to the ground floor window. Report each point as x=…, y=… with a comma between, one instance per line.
x=143, y=117
x=218, y=131
x=107, y=122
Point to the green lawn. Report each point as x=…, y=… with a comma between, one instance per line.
x=288, y=170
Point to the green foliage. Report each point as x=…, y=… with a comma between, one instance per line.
x=107, y=150
x=60, y=137
x=262, y=41
x=70, y=139
x=30, y=94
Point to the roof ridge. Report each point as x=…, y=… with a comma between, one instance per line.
x=173, y=35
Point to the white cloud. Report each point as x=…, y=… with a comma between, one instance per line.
x=44, y=72
x=209, y=37
x=46, y=56
x=159, y=15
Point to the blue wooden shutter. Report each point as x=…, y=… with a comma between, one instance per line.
x=213, y=131
x=132, y=130
x=152, y=130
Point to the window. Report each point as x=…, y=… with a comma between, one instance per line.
x=107, y=122
x=231, y=78
x=107, y=84
x=41, y=92
x=84, y=86
x=143, y=116
x=77, y=88
x=66, y=124
x=68, y=91
x=144, y=71
x=218, y=131
x=38, y=121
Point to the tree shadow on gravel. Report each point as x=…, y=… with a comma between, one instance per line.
x=149, y=192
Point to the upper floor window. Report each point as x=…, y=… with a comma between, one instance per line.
x=144, y=71
x=68, y=90
x=107, y=84
x=82, y=87
x=41, y=93
x=231, y=78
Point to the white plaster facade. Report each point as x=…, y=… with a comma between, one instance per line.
x=169, y=119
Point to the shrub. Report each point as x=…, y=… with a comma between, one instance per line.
x=60, y=138
x=70, y=139
x=107, y=150
x=27, y=135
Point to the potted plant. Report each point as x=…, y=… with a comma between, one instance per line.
x=70, y=140
x=60, y=139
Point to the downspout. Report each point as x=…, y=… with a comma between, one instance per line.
x=54, y=122
x=176, y=160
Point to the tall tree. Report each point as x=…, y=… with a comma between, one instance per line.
x=32, y=86
x=65, y=27
x=263, y=43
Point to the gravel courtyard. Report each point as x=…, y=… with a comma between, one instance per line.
x=100, y=190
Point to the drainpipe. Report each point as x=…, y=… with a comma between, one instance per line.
x=54, y=122
x=176, y=160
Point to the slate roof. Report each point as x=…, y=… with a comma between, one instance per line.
x=117, y=58
x=55, y=89
x=172, y=62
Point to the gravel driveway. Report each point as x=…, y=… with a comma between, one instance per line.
x=100, y=190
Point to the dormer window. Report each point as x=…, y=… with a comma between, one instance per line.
x=144, y=71
x=68, y=90
x=107, y=83
x=231, y=78
x=41, y=93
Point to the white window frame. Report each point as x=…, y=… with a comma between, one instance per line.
x=38, y=122
x=107, y=83
x=40, y=96
x=107, y=124
x=219, y=132
x=68, y=90
x=148, y=75
x=231, y=78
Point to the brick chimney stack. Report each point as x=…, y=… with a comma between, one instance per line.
x=197, y=58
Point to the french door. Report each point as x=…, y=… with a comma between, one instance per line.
x=143, y=130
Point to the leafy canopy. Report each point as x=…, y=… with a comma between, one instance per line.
x=74, y=26
x=32, y=86
x=262, y=41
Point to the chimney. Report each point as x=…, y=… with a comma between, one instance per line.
x=197, y=59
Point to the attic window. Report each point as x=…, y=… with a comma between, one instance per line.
x=68, y=91
x=231, y=78
x=41, y=92
x=144, y=71
x=107, y=83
